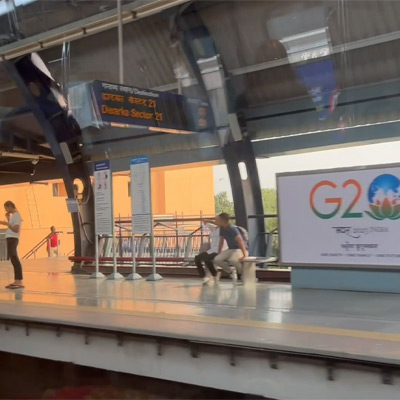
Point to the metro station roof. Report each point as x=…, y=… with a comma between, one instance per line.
x=364, y=36
x=256, y=60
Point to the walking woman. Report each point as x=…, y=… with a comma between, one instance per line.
x=13, y=224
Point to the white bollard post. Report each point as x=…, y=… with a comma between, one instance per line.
x=154, y=276
x=115, y=275
x=97, y=274
x=134, y=276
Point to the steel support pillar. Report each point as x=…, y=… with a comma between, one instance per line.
x=207, y=65
x=43, y=97
x=246, y=193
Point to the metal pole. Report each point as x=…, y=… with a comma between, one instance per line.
x=154, y=276
x=120, y=248
x=120, y=43
x=115, y=272
x=96, y=240
x=58, y=246
x=153, y=250
x=97, y=273
x=176, y=235
x=134, y=276
x=115, y=275
x=201, y=228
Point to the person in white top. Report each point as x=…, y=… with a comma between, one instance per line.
x=13, y=231
x=208, y=256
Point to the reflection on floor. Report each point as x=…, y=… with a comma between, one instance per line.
x=359, y=324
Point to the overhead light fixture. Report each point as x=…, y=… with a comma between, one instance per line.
x=307, y=45
x=168, y=130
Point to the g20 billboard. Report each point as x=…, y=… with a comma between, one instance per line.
x=340, y=217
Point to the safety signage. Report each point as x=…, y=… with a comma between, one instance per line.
x=103, y=198
x=141, y=195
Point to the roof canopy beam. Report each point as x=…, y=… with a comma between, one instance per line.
x=85, y=27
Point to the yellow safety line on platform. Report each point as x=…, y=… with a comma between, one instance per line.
x=390, y=337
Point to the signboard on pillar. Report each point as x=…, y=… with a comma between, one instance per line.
x=103, y=198
x=347, y=217
x=141, y=195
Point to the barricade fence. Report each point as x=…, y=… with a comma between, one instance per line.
x=176, y=237
x=182, y=246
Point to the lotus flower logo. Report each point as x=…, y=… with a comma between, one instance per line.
x=384, y=198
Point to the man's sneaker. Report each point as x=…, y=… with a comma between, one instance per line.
x=206, y=280
x=217, y=277
x=234, y=276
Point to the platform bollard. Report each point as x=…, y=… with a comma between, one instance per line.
x=97, y=274
x=134, y=276
x=154, y=276
x=115, y=275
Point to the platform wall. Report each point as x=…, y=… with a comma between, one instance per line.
x=342, y=279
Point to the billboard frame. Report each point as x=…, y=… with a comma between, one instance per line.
x=379, y=267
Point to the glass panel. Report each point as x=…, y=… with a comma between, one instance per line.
x=301, y=76
x=223, y=191
x=33, y=17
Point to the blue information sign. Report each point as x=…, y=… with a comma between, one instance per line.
x=103, y=198
x=139, y=160
x=101, y=165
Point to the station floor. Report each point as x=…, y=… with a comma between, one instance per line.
x=355, y=325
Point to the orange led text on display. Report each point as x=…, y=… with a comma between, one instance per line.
x=133, y=113
x=130, y=113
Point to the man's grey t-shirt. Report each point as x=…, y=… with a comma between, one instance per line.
x=229, y=234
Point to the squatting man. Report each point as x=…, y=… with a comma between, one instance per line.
x=228, y=249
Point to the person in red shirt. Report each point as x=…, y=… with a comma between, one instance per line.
x=52, y=243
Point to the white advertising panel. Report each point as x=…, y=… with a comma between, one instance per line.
x=340, y=217
x=141, y=195
x=103, y=198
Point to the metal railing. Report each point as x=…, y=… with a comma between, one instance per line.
x=271, y=234
x=175, y=237
x=165, y=246
x=38, y=246
x=179, y=237
x=70, y=253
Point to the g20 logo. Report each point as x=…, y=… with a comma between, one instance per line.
x=337, y=201
x=383, y=198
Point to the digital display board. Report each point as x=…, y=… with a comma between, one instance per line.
x=160, y=111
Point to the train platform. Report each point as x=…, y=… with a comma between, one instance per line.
x=265, y=339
